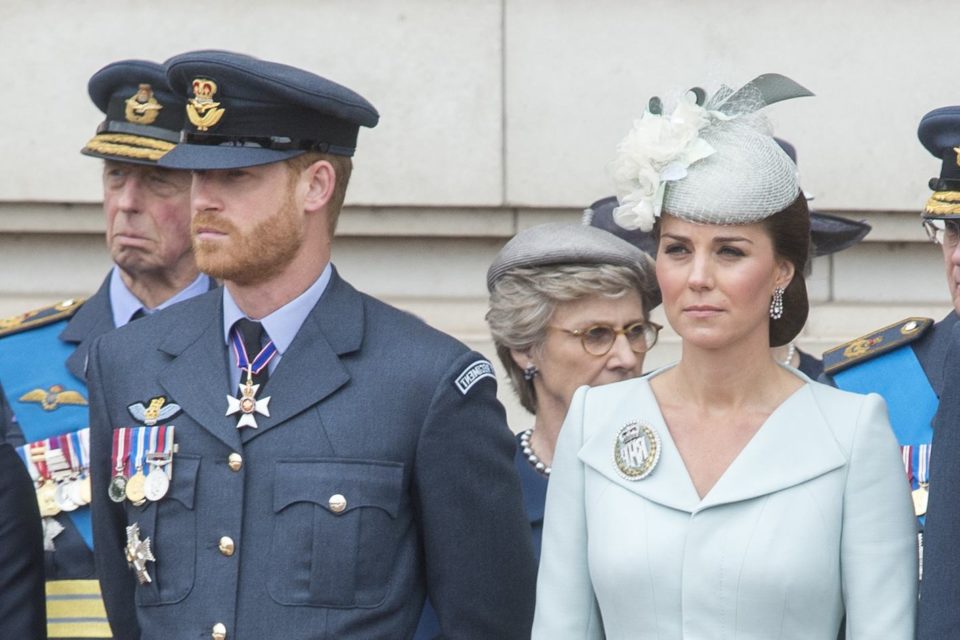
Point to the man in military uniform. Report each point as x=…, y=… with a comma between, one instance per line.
x=939, y=613
x=905, y=362
x=43, y=352
x=333, y=459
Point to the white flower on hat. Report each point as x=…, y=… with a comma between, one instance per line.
x=658, y=149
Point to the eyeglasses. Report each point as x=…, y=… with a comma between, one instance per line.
x=598, y=339
x=945, y=232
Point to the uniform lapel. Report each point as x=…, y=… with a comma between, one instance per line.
x=92, y=320
x=196, y=377
x=310, y=369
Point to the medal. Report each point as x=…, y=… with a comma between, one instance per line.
x=134, y=489
x=46, y=488
x=921, y=494
x=80, y=487
x=62, y=496
x=138, y=553
x=247, y=405
x=47, y=499
x=636, y=451
x=157, y=483
x=117, y=490
x=85, y=490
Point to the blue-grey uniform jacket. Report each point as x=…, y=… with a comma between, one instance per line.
x=939, y=611
x=368, y=404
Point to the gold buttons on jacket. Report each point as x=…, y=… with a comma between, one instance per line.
x=226, y=546
x=235, y=461
x=337, y=503
x=219, y=632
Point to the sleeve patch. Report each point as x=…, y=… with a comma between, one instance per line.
x=473, y=374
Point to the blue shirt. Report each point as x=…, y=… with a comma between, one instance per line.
x=282, y=325
x=123, y=304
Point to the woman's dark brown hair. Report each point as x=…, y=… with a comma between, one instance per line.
x=790, y=231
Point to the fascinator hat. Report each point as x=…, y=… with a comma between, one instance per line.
x=710, y=160
x=714, y=161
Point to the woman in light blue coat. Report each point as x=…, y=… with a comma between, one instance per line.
x=727, y=496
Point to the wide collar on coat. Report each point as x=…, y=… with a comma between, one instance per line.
x=91, y=320
x=310, y=370
x=794, y=445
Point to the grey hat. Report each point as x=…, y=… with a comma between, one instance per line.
x=559, y=243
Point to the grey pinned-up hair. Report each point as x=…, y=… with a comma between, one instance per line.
x=546, y=266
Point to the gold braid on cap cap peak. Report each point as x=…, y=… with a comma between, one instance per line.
x=129, y=146
x=943, y=203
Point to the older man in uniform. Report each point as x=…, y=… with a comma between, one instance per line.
x=906, y=361
x=331, y=459
x=43, y=352
x=939, y=613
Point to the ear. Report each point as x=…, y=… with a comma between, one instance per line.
x=521, y=358
x=320, y=179
x=785, y=271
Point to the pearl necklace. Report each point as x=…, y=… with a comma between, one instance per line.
x=532, y=457
x=792, y=350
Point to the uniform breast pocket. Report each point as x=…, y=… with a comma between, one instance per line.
x=171, y=524
x=335, y=531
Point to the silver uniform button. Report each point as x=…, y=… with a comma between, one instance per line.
x=235, y=461
x=219, y=632
x=337, y=503
x=226, y=546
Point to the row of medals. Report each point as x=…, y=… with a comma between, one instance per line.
x=64, y=491
x=141, y=487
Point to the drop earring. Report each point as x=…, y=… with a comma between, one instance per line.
x=776, y=304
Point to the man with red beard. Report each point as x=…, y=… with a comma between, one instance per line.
x=331, y=459
x=43, y=352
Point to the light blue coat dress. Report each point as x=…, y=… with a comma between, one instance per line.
x=812, y=520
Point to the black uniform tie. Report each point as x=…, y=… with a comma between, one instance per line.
x=254, y=338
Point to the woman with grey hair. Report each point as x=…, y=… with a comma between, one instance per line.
x=569, y=306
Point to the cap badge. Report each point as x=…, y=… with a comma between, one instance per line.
x=636, y=451
x=142, y=107
x=204, y=112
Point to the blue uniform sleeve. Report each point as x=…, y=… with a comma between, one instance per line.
x=479, y=559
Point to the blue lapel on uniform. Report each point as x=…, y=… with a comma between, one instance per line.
x=196, y=377
x=311, y=370
x=93, y=319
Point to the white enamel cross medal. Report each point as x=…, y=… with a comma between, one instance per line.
x=247, y=405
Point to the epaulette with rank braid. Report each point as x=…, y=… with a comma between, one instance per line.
x=39, y=317
x=874, y=344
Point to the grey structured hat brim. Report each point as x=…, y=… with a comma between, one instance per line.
x=558, y=243
x=205, y=157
